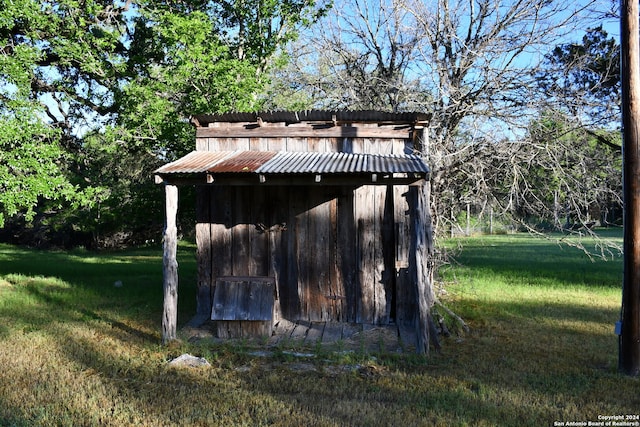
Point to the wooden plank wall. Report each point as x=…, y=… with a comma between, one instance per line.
x=337, y=253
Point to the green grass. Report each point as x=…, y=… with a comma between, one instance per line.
x=76, y=350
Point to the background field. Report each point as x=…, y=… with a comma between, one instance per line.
x=77, y=350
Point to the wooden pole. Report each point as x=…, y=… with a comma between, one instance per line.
x=422, y=251
x=629, y=340
x=170, y=266
x=468, y=220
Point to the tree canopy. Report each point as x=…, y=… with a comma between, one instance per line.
x=486, y=72
x=95, y=94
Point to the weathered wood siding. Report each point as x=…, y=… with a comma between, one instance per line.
x=337, y=253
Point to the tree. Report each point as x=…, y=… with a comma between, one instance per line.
x=359, y=57
x=565, y=179
x=29, y=168
x=31, y=151
x=582, y=80
x=114, y=83
x=470, y=64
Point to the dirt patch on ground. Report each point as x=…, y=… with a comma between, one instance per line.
x=368, y=339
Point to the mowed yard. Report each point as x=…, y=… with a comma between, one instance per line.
x=77, y=350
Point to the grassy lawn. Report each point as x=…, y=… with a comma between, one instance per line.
x=77, y=350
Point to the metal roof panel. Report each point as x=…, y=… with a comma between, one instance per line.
x=243, y=161
x=194, y=162
x=300, y=162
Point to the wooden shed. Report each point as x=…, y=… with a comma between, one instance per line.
x=305, y=216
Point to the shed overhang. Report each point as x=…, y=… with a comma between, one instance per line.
x=293, y=168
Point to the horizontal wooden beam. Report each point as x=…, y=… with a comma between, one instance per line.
x=400, y=132
x=293, y=180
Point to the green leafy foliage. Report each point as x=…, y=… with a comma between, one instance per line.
x=29, y=168
x=585, y=77
x=96, y=94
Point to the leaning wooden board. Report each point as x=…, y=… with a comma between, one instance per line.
x=243, y=306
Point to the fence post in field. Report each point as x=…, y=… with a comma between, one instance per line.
x=629, y=340
x=170, y=266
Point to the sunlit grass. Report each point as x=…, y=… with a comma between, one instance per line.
x=77, y=350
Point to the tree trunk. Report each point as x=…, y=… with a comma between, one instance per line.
x=170, y=266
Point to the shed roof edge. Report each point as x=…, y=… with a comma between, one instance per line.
x=343, y=116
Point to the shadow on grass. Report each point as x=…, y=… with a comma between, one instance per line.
x=128, y=282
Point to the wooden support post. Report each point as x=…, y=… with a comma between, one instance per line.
x=468, y=220
x=629, y=345
x=422, y=268
x=170, y=266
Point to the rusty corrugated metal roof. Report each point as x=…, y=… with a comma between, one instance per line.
x=195, y=162
x=359, y=116
x=243, y=161
x=269, y=162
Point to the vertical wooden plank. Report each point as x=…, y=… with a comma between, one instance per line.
x=221, y=235
x=357, y=145
x=388, y=257
x=170, y=266
x=266, y=300
x=365, y=220
x=337, y=297
x=344, y=145
x=296, y=207
x=258, y=228
x=384, y=146
x=380, y=276
x=319, y=145
x=297, y=144
x=318, y=256
x=405, y=300
x=213, y=144
x=337, y=145
x=203, y=252
x=347, y=249
x=219, y=300
x=240, y=233
x=234, y=304
x=232, y=144
x=277, y=209
x=242, y=144
x=202, y=144
x=276, y=144
x=244, y=300
x=385, y=253
x=363, y=252
x=302, y=255
x=222, y=329
x=259, y=144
